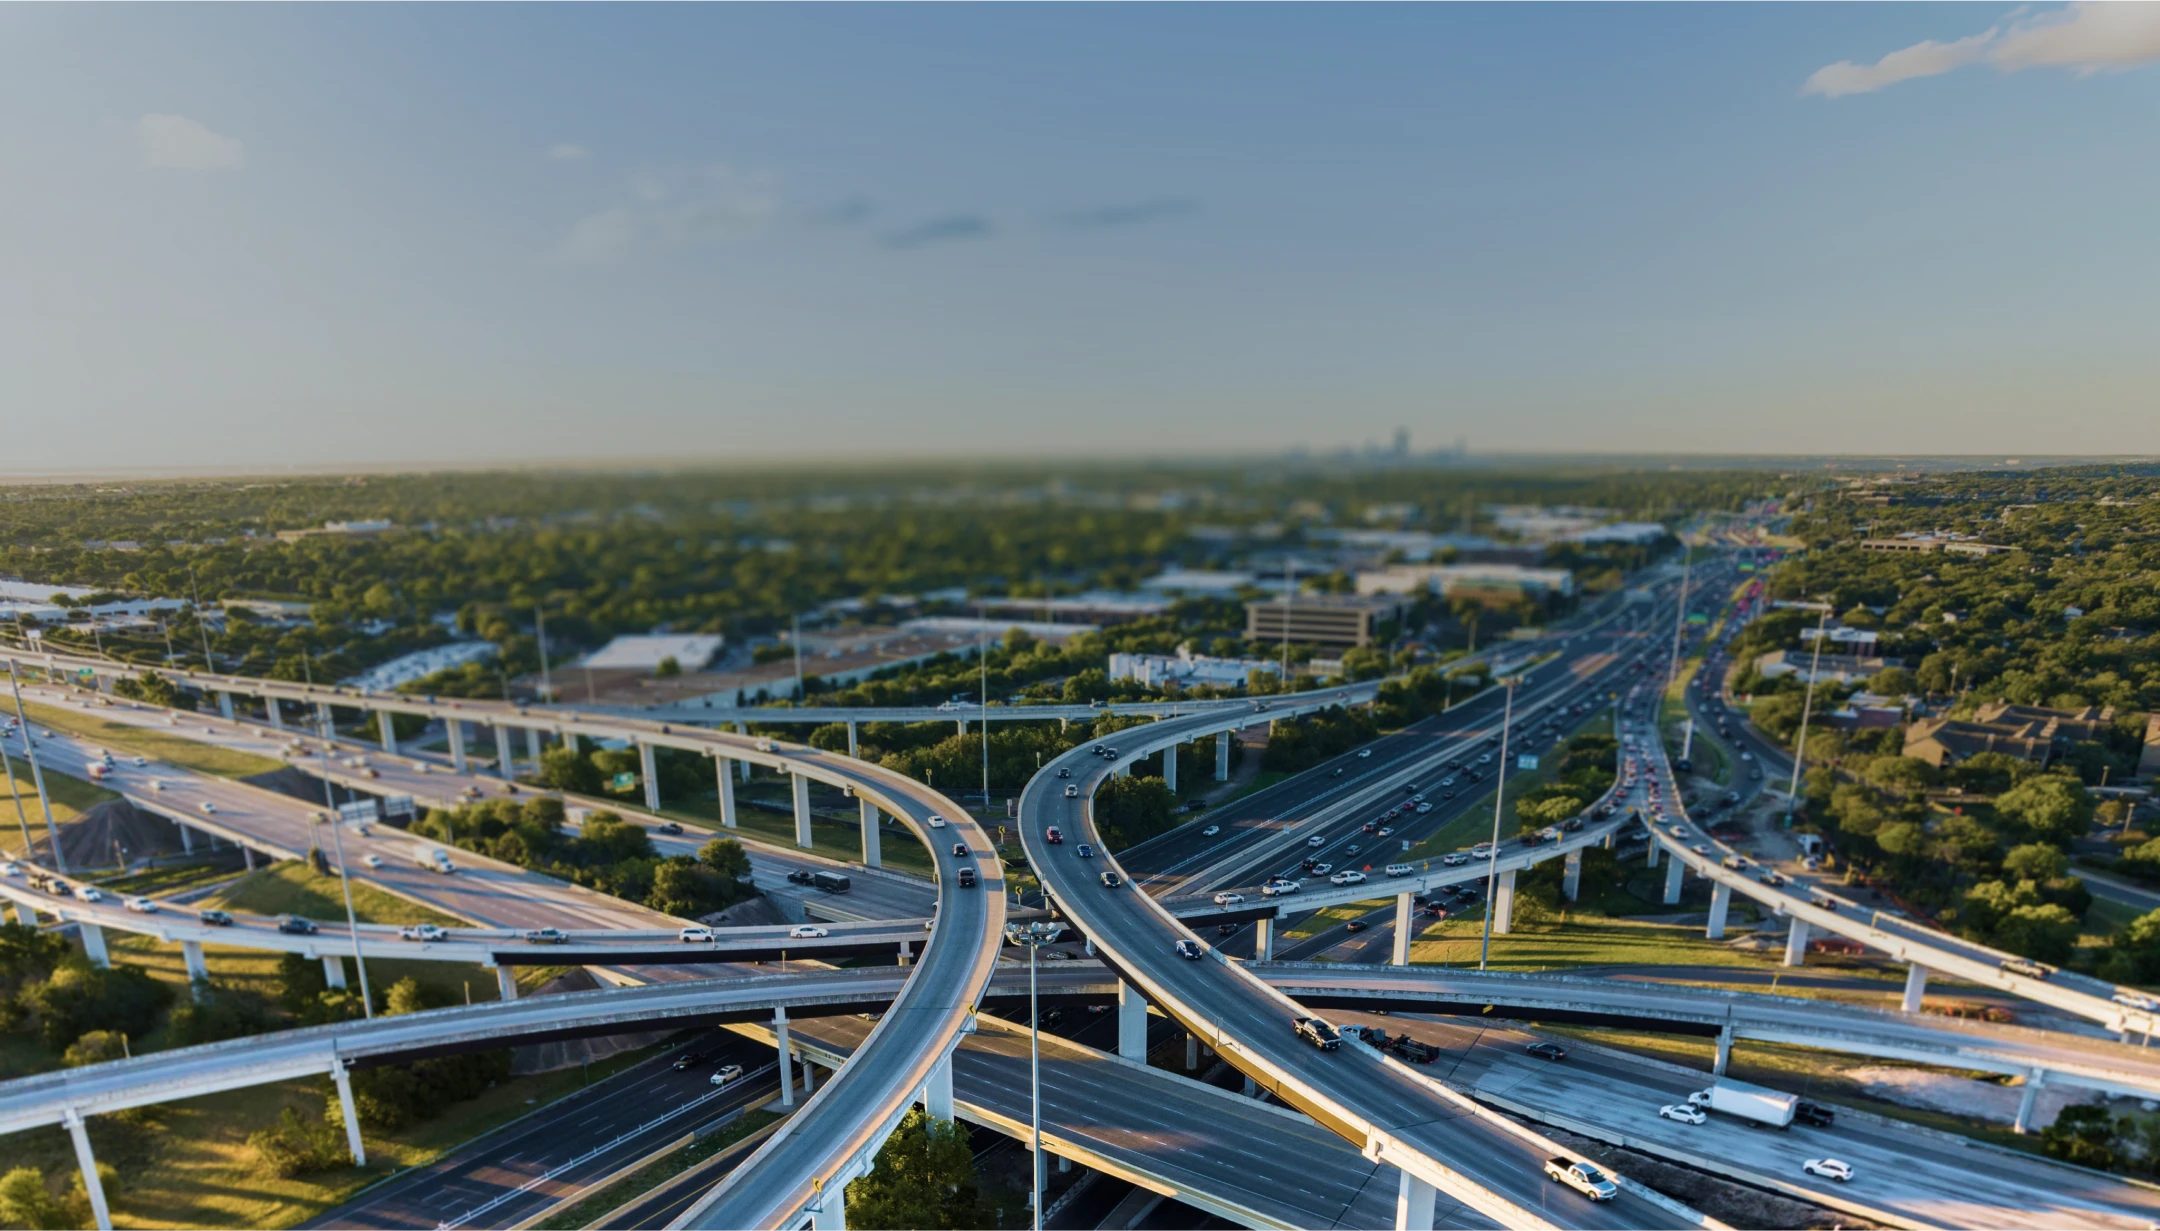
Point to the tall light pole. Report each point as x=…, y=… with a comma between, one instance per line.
x=202, y=625
x=1807, y=708
x=1679, y=626
x=337, y=838
x=1492, y=854
x=982, y=660
x=1032, y=937
x=37, y=775
x=547, y=689
x=1289, y=595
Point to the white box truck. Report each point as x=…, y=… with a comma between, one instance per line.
x=1753, y=1103
x=434, y=859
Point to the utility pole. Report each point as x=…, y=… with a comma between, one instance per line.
x=37, y=775
x=1492, y=854
x=1807, y=708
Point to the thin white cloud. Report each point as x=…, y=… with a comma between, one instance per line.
x=567, y=152
x=2085, y=37
x=177, y=143
x=717, y=203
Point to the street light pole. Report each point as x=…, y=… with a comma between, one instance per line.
x=1492, y=853
x=37, y=775
x=1032, y=937
x=982, y=660
x=1807, y=707
x=547, y=688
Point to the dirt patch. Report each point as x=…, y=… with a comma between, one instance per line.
x=1731, y=1203
x=115, y=833
x=750, y=912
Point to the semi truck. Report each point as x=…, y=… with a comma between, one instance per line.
x=1751, y=1103
x=434, y=859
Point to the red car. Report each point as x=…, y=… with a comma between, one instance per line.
x=1053, y=835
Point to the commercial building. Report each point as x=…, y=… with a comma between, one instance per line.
x=646, y=652
x=1446, y=579
x=2027, y=732
x=1323, y=619
x=1921, y=544
x=1836, y=668
x=1187, y=669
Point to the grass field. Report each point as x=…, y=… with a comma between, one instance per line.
x=174, y=877
x=69, y=797
x=1330, y=916
x=290, y=888
x=159, y=744
x=1573, y=942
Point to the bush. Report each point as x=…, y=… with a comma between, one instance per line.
x=219, y=1011
x=79, y=998
x=298, y=1147
x=1299, y=744
x=25, y=1201
x=95, y=1047
x=1129, y=811
x=394, y=1096
x=924, y=1177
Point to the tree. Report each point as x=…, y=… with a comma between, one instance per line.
x=2035, y=861
x=298, y=1147
x=727, y=857
x=2045, y=932
x=26, y=1202
x=2083, y=1134
x=79, y=998
x=669, y=667
x=2134, y=952
x=95, y=1047
x=924, y=1177
x=404, y=996
x=2049, y=807
x=1129, y=810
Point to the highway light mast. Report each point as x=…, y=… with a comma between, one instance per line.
x=1492, y=853
x=1807, y=707
x=337, y=835
x=37, y=775
x=1032, y=937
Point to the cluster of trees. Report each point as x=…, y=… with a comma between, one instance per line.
x=608, y=853
x=924, y=1177
x=1298, y=744
x=52, y=993
x=26, y=1200
x=2090, y=1135
x=1586, y=770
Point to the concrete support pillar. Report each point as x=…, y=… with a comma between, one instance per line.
x=829, y=1211
x=456, y=727
x=1405, y=927
x=1169, y=767
x=2033, y=1081
x=333, y=970
x=247, y=856
x=1192, y=1051
x=1251, y=1087
x=532, y=747
x=198, y=967
x=648, y=773
x=1720, y=905
x=937, y=1090
x=1916, y=977
x=1571, y=875
x=24, y=915
x=907, y=952
x=1131, y=1023
x=1651, y=861
x=505, y=752
x=870, y=856
x=1796, y=943
x=1724, y=1051
x=343, y=1079
x=92, y=1185
x=1610, y=835
x=1064, y=1165
x=809, y=1078
x=187, y=838
x=1263, y=940
x=276, y=711
x=1503, y=903
x=726, y=783
x=387, y=728
x=325, y=721
x=1414, y=1202
x=1222, y=755
x=801, y=787
x=93, y=944
x=787, y=1058
x=1674, y=874
x=851, y=739
x=505, y=983
x=224, y=706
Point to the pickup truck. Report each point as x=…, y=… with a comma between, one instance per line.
x=1584, y=1178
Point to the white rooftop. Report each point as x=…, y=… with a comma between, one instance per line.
x=644, y=652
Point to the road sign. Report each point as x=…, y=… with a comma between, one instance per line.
x=399, y=805
x=622, y=782
x=359, y=811
x=1525, y=761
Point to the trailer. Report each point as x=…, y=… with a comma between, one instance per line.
x=1751, y=1103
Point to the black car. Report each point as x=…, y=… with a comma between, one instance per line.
x=667, y=827
x=1813, y=1113
x=1317, y=1032
x=215, y=918
x=687, y=1059
x=800, y=876
x=1112, y=880
x=1227, y=929
x=1547, y=1051
x=1190, y=950
x=1355, y=925
x=1064, y=773
x=296, y=926
x=960, y=849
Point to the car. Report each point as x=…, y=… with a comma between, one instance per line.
x=1814, y=1113
x=1336, y=772
x=421, y=932
x=2027, y=967
x=1064, y=772
x=90, y=893
x=138, y=762
x=1582, y=1176
x=1355, y=925
x=209, y=809
x=1278, y=887
x=1347, y=878
x=1190, y=950
x=10, y=868
x=1829, y=1169
x=1372, y=826
x=1227, y=929
x=547, y=936
x=214, y=918
x=1111, y=880
x=966, y=878
x=695, y=936
x=1072, y=791
x=2136, y=1000
x=1316, y=840
x=1211, y=831
x=960, y=849
x=687, y=1059
x=808, y=931
x=1086, y=850
x=1318, y=1033
x=1546, y=1051
x=1054, y=836
x=802, y=876
x=140, y=905
x=726, y=1074
x=294, y=925
x=157, y=784
x=667, y=827
x=1454, y=859
x=1772, y=879
x=936, y=821
x=1482, y=850
x=1232, y=899
x=1320, y=869
x=1352, y=849
x=1683, y=1112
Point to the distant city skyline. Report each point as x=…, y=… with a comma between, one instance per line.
x=311, y=236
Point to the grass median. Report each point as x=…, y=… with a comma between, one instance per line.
x=292, y=888
x=158, y=744
x=69, y=797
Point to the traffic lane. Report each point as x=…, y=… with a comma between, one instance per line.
x=1230, y=1147
x=502, y=1160
x=1483, y=1152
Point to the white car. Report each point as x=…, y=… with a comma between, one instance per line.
x=373, y=861
x=807, y=931
x=2134, y=1000
x=1482, y=850
x=1276, y=888
x=1364, y=753
x=1211, y=831
x=10, y=868
x=421, y=932
x=90, y=893
x=727, y=1074
x=208, y=807
x=157, y=784
x=1229, y=899
x=1316, y=840
x=138, y=762
x=1683, y=1112
x=140, y=905
x=936, y=822
x=1828, y=1168
x=1347, y=878
x=1072, y=790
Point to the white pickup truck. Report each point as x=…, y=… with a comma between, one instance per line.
x=1583, y=1177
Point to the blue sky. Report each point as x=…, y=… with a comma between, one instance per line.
x=261, y=235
